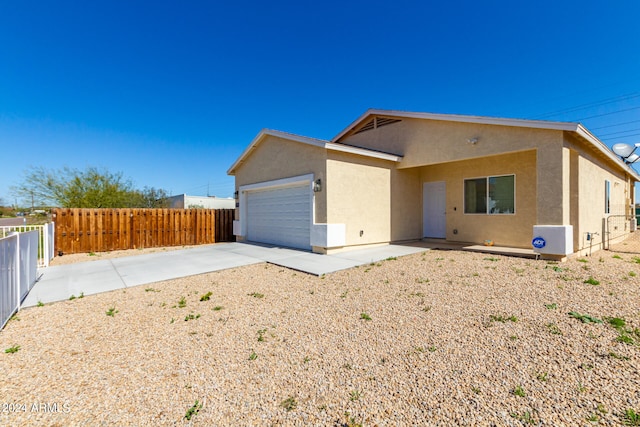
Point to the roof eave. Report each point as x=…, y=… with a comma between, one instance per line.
x=457, y=118
x=601, y=147
x=309, y=141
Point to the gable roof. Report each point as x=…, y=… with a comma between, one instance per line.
x=576, y=128
x=321, y=143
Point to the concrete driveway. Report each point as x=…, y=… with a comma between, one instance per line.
x=58, y=283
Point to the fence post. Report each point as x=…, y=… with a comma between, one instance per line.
x=17, y=268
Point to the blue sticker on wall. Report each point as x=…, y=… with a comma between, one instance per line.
x=538, y=242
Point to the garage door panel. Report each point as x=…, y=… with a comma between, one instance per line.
x=280, y=216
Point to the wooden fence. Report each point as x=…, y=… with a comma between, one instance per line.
x=101, y=230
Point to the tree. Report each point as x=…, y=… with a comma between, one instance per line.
x=91, y=188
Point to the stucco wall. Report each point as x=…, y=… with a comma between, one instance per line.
x=504, y=230
x=592, y=172
x=276, y=158
x=426, y=142
x=358, y=193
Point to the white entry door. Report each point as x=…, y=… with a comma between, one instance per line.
x=434, y=206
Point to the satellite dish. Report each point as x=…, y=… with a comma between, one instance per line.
x=626, y=152
x=623, y=150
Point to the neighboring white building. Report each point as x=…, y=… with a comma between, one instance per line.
x=183, y=201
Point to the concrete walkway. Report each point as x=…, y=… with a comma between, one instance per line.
x=58, y=283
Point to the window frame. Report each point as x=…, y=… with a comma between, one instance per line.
x=487, y=178
x=607, y=196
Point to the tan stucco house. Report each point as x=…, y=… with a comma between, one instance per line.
x=395, y=176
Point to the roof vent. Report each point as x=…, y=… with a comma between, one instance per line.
x=375, y=123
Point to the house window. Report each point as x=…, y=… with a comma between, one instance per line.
x=492, y=195
x=607, y=197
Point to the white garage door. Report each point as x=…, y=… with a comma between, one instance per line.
x=280, y=216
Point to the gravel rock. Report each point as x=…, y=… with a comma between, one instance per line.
x=440, y=338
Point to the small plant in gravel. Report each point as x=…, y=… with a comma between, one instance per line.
x=617, y=356
x=191, y=317
x=289, y=404
x=256, y=295
x=112, y=311
x=355, y=395
x=502, y=319
x=391, y=258
x=542, y=376
x=261, y=333
x=584, y=318
x=553, y=329
x=151, y=290
x=584, y=260
x=72, y=297
x=12, y=349
x=217, y=308
x=492, y=259
x=631, y=417
x=206, y=296
x=432, y=349
x=365, y=316
x=519, y=391
x=193, y=411
x=592, y=281
x=525, y=417
x=551, y=306
x=632, y=274
x=616, y=256
x=40, y=304
x=617, y=322
x=635, y=259
x=593, y=418
x=625, y=339
x=253, y=356
x=182, y=303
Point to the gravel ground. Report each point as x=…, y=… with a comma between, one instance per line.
x=440, y=338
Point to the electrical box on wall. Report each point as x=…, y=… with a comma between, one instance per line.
x=553, y=239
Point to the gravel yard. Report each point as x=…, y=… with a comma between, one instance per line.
x=440, y=338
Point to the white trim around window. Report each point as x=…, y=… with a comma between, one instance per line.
x=490, y=206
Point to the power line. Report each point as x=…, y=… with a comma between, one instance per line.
x=619, y=124
x=624, y=97
x=622, y=131
x=607, y=114
x=618, y=137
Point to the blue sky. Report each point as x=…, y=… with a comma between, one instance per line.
x=170, y=93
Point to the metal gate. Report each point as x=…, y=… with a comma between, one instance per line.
x=622, y=233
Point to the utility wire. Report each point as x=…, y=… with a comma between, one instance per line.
x=624, y=97
x=618, y=124
x=617, y=137
x=619, y=132
x=607, y=114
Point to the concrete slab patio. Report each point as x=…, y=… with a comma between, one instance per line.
x=58, y=283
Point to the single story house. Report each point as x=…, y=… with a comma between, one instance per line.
x=183, y=201
x=393, y=176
